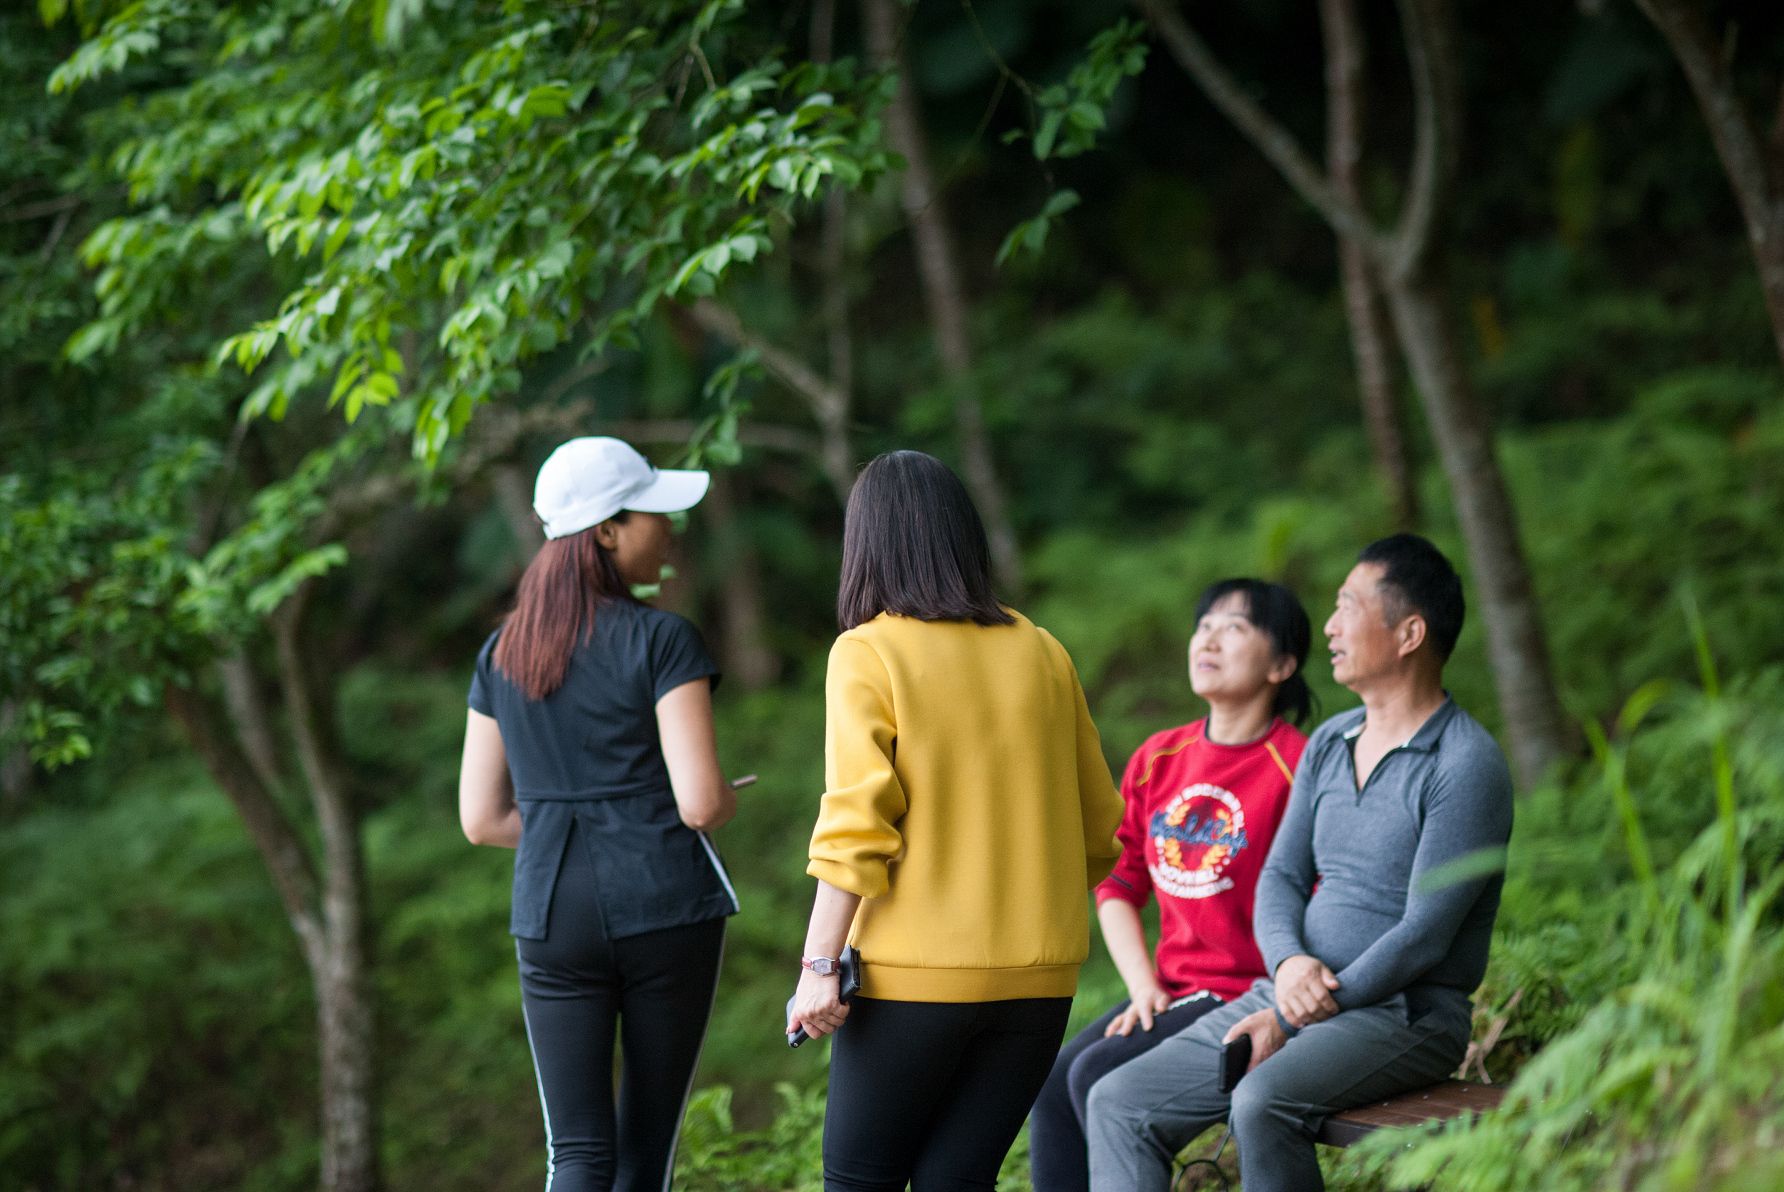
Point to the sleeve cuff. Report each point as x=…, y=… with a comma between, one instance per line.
x=1288, y=1028
x=1275, y=951
x=1110, y=888
x=867, y=882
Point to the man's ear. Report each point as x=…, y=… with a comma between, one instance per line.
x=1410, y=634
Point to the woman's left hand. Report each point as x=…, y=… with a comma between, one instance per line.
x=816, y=1006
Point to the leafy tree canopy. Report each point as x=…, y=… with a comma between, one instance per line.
x=443, y=188
x=394, y=205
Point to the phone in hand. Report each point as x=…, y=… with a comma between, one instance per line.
x=1233, y=1063
x=848, y=985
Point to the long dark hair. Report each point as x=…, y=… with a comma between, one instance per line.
x=1276, y=611
x=554, y=610
x=912, y=544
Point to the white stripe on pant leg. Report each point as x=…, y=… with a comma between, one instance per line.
x=544, y=1109
x=717, y=973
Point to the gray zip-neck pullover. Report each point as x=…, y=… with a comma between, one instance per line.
x=1349, y=877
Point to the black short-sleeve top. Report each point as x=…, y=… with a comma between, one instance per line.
x=588, y=756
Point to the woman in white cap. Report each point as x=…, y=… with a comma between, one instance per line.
x=589, y=749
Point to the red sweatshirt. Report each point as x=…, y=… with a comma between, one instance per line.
x=1200, y=818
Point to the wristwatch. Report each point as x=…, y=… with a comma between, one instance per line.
x=820, y=966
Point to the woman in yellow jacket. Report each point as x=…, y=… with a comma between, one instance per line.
x=967, y=811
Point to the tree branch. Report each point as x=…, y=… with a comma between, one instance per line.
x=1430, y=54
x=249, y=718
x=37, y=210
x=828, y=399
x=1345, y=74
x=1271, y=139
x=312, y=725
x=496, y=433
x=679, y=430
x=823, y=397
x=1755, y=168
x=944, y=293
x=311, y=715
x=1777, y=138
x=1736, y=139
x=280, y=847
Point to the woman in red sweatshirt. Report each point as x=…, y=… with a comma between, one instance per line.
x=1203, y=802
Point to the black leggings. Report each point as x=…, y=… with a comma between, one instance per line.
x=933, y=1093
x=574, y=984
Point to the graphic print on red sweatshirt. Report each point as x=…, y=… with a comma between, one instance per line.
x=1199, y=821
x=1195, y=837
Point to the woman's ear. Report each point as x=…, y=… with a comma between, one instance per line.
x=606, y=534
x=1282, y=670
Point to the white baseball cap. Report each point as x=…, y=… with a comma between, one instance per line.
x=586, y=481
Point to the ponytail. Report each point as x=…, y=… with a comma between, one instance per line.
x=1294, y=700
x=554, y=610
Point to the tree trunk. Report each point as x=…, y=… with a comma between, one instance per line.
x=327, y=915
x=1345, y=72
x=250, y=719
x=514, y=494
x=743, y=645
x=349, y=1101
x=1755, y=168
x=288, y=862
x=15, y=767
x=343, y=995
x=1516, y=648
x=1407, y=265
x=943, y=293
x=833, y=416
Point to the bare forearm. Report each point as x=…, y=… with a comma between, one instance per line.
x=501, y=832
x=832, y=913
x=1125, y=937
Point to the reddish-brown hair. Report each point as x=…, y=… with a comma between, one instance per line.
x=554, y=610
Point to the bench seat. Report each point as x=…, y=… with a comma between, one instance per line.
x=1439, y=1102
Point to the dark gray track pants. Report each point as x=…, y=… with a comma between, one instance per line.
x=1144, y=1112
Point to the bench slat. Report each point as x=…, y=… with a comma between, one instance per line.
x=1452, y=1098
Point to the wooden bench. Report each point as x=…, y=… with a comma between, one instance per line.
x=1436, y=1103
x=1439, y=1102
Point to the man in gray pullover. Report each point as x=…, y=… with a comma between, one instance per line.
x=1373, y=911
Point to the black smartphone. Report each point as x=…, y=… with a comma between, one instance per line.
x=1233, y=1062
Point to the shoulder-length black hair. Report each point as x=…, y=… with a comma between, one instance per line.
x=912, y=544
x=1278, y=613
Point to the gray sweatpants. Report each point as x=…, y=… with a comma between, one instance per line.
x=1144, y=1112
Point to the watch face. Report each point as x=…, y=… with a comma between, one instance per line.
x=823, y=966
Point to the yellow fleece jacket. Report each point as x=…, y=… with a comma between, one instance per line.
x=968, y=802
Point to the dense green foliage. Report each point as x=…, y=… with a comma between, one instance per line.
x=404, y=210
x=172, y=957
x=461, y=194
